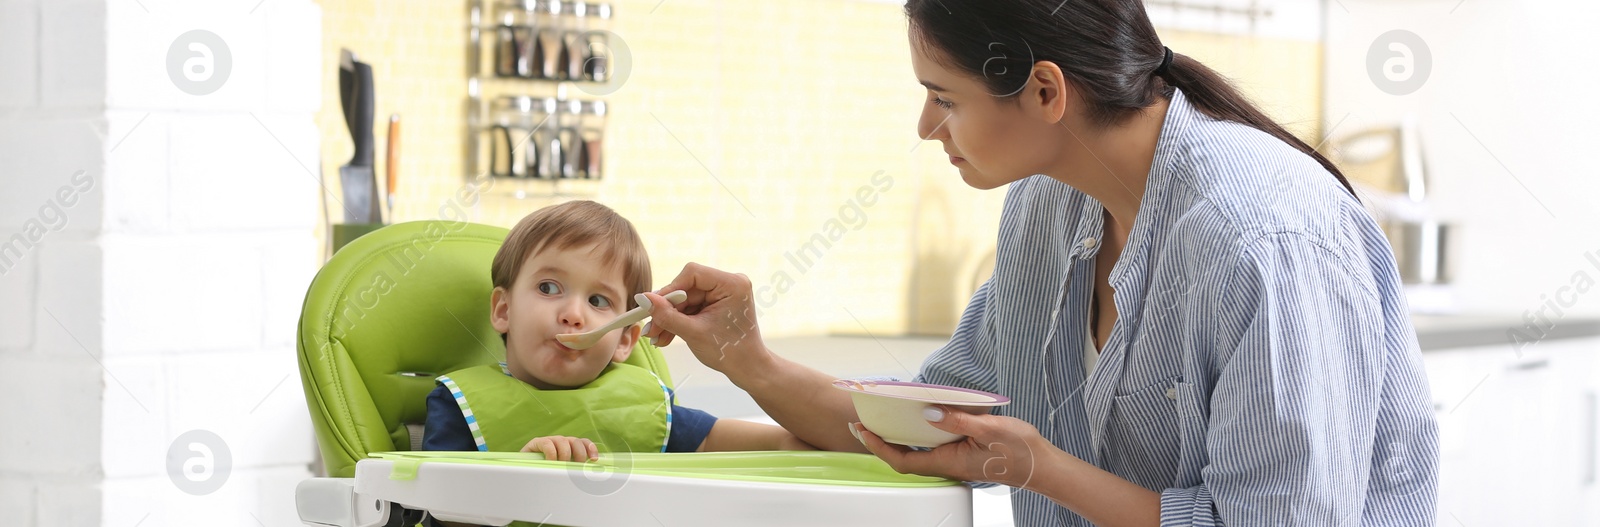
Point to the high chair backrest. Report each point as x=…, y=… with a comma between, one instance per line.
x=388, y=313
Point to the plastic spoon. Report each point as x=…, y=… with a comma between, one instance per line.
x=580, y=341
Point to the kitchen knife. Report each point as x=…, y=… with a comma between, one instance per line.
x=356, y=177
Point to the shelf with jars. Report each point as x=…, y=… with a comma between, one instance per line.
x=525, y=58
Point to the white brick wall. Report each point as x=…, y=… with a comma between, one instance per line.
x=252, y=497
x=72, y=48
x=259, y=410
x=52, y=417
x=41, y=155
x=19, y=37
x=232, y=171
x=205, y=290
x=293, y=57
x=284, y=287
x=252, y=400
x=134, y=421
x=17, y=498
x=136, y=201
x=68, y=316
x=138, y=43
x=164, y=297
x=69, y=503
x=16, y=306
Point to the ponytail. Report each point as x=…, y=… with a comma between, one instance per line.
x=1214, y=96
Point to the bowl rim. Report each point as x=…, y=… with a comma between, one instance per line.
x=851, y=385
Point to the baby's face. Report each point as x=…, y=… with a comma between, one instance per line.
x=562, y=291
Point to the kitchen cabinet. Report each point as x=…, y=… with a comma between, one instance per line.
x=1517, y=433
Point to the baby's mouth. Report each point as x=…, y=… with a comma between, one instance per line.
x=565, y=352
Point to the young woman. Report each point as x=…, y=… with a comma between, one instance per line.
x=1195, y=319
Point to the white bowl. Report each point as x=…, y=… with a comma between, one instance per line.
x=893, y=409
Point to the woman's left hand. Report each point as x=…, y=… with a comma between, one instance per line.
x=997, y=449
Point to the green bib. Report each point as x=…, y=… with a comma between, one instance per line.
x=626, y=409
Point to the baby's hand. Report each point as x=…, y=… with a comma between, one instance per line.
x=563, y=448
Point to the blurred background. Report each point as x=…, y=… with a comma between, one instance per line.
x=170, y=181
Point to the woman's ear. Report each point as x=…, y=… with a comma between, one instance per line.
x=500, y=310
x=1048, y=92
x=630, y=336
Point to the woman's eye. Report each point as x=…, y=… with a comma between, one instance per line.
x=942, y=103
x=549, y=288
x=599, y=301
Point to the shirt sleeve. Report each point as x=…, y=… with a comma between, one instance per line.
x=689, y=428
x=1298, y=402
x=446, y=429
x=961, y=362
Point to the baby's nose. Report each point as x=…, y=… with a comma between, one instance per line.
x=572, y=318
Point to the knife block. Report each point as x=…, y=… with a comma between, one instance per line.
x=341, y=234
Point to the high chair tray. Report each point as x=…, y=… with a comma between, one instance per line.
x=708, y=489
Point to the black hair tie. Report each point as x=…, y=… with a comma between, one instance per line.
x=1166, y=60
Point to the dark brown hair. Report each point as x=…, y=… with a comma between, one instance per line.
x=1107, y=49
x=575, y=224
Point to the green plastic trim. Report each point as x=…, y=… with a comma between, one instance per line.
x=404, y=469
x=803, y=468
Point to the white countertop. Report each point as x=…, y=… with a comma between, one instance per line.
x=851, y=356
x=843, y=356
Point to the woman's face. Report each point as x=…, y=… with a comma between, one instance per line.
x=991, y=140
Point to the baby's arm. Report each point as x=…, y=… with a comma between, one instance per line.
x=729, y=435
x=563, y=448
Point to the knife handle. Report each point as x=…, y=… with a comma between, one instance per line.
x=361, y=116
x=347, y=97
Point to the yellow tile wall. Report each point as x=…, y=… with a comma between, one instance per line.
x=744, y=127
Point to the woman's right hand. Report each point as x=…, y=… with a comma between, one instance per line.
x=717, y=320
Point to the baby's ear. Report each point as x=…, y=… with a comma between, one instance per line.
x=630, y=336
x=500, y=310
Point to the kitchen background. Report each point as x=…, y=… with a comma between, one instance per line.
x=741, y=129
x=161, y=298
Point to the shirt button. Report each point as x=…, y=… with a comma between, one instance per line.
x=1172, y=393
x=1088, y=243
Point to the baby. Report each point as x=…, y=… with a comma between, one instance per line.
x=567, y=269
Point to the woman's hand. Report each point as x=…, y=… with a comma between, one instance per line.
x=563, y=448
x=997, y=449
x=717, y=320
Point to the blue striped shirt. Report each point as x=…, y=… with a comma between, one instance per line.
x=1262, y=369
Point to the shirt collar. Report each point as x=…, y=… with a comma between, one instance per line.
x=1091, y=221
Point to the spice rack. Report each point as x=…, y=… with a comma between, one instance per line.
x=524, y=130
